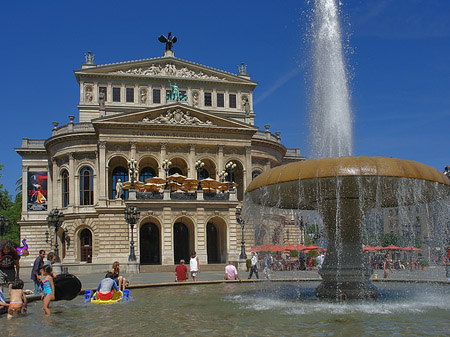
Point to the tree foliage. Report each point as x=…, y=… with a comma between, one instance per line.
x=12, y=211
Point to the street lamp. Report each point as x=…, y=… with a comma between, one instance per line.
x=166, y=166
x=241, y=222
x=230, y=167
x=131, y=217
x=199, y=166
x=223, y=175
x=132, y=167
x=55, y=220
x=4, y=225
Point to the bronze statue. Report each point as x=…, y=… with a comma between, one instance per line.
x=169, y=41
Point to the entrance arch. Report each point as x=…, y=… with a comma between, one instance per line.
x=86, y=246
x=216, y=240
x=149, y=244
x=180, y=242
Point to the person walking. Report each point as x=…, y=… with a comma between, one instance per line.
x=231, y=272
x=194, y=266
x=254, y=266
x=36, y=272
x=181, y=272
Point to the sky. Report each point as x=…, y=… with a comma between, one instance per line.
x=398, y=55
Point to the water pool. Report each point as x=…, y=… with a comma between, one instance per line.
x=245, y=309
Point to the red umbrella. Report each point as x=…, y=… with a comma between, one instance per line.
x=369, y=249
x=290, y=247
x=276, y=248
x=312, y=247
x=378, y=248
x=411, y=248
x=392, y=247
x=301, y=247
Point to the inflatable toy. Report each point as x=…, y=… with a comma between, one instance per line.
x=91, y=296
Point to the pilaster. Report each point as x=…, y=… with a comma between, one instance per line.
x=191, y=168
x=102, y=172
x=71, y=179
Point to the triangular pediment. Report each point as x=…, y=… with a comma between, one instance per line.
x=172, y=115
x=165, y=67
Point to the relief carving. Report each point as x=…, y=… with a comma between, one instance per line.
x=88, y=96
x=169, y=70
x=176, y=116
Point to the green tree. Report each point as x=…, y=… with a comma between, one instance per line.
x=12, y=211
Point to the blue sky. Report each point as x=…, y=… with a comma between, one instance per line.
x=398, y=54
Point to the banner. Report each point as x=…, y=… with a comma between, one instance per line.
x=37, y=191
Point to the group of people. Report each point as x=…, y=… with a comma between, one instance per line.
x=41, y=274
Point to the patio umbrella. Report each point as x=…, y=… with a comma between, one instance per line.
x=392, y=247
x=189, y=184
x=209, y=184
x=137, y=185
x=225, y=186
x=378, y=248
x=173, y=185
x=411, y=248
x=301, y=247
x=290, y=247
x=276, y=248
x=153, y=187
x=155, y=180
x=176, y=177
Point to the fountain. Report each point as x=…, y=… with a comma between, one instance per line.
x=341, y=188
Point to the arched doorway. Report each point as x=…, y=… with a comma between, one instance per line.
x=212, y=243
x=149, y=244
x=86, y=246
x=180, y=242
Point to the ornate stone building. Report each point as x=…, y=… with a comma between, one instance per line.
x=150, y=112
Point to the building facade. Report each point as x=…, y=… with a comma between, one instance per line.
x=151, y=112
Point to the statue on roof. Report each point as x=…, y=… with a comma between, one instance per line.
x=169, y=40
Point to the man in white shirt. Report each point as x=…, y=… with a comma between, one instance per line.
x=231, y=272
x=254, y=267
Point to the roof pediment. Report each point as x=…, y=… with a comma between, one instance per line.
x=173, y=116
x=164, y=67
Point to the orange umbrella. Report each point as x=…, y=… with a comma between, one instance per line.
x=301, y=247
x=392, y=247
x=276, y=248
x=411, y=248
x=290, y=247
x=377, y=248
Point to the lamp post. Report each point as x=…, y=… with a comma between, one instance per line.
x=55, y=219
x=4, y=225
x=229, y=168
x=241, y=222
x=199, y=166
x=166, y=166
x=223, y=175
x=131, y=217
x=132, y=167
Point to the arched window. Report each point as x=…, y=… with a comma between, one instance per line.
x=203, y=174
x=255, y=174
x=86, y=245
x=65, y=188
x=174, y=170
x=146, y=173
x=86, y=186
x=121, y=173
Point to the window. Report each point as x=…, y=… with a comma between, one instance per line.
x=102, y=89
x=220, y=100
x=208, y=101
x=146, y=173
x=65, y=188
x=86, y=245
x=116, y=94
x=86, y=186
x=255, y=174
x=156, y=95
x=232, y=100
x=121, y=173
x=130, y=95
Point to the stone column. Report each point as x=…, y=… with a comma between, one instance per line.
x=24, y=190
x=162, y=156
x=248, y=168
x=167, y=237
x=200, y=237
x=71, y=180
x=191, y=167
x=53, y=199
x=220, y=163
x=133, y=149
x=102, y=173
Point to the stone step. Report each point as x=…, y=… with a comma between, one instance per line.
x=170, y=268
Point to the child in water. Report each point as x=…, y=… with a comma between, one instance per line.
x=18, y=301
x=49, y=288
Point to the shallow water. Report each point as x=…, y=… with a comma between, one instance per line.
x=260, y=309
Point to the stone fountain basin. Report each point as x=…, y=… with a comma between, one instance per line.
x=389, y=182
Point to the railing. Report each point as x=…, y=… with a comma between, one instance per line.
x=74, y=127
x=265, y=135
x=35, y=143
x=149, y=196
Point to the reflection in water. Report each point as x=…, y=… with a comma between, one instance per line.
x=258, y=309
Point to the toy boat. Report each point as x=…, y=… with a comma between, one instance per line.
x=91, y=296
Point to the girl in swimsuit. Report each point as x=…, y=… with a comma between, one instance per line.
x=49, y=288
x=18, y=301
x=120, y=281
